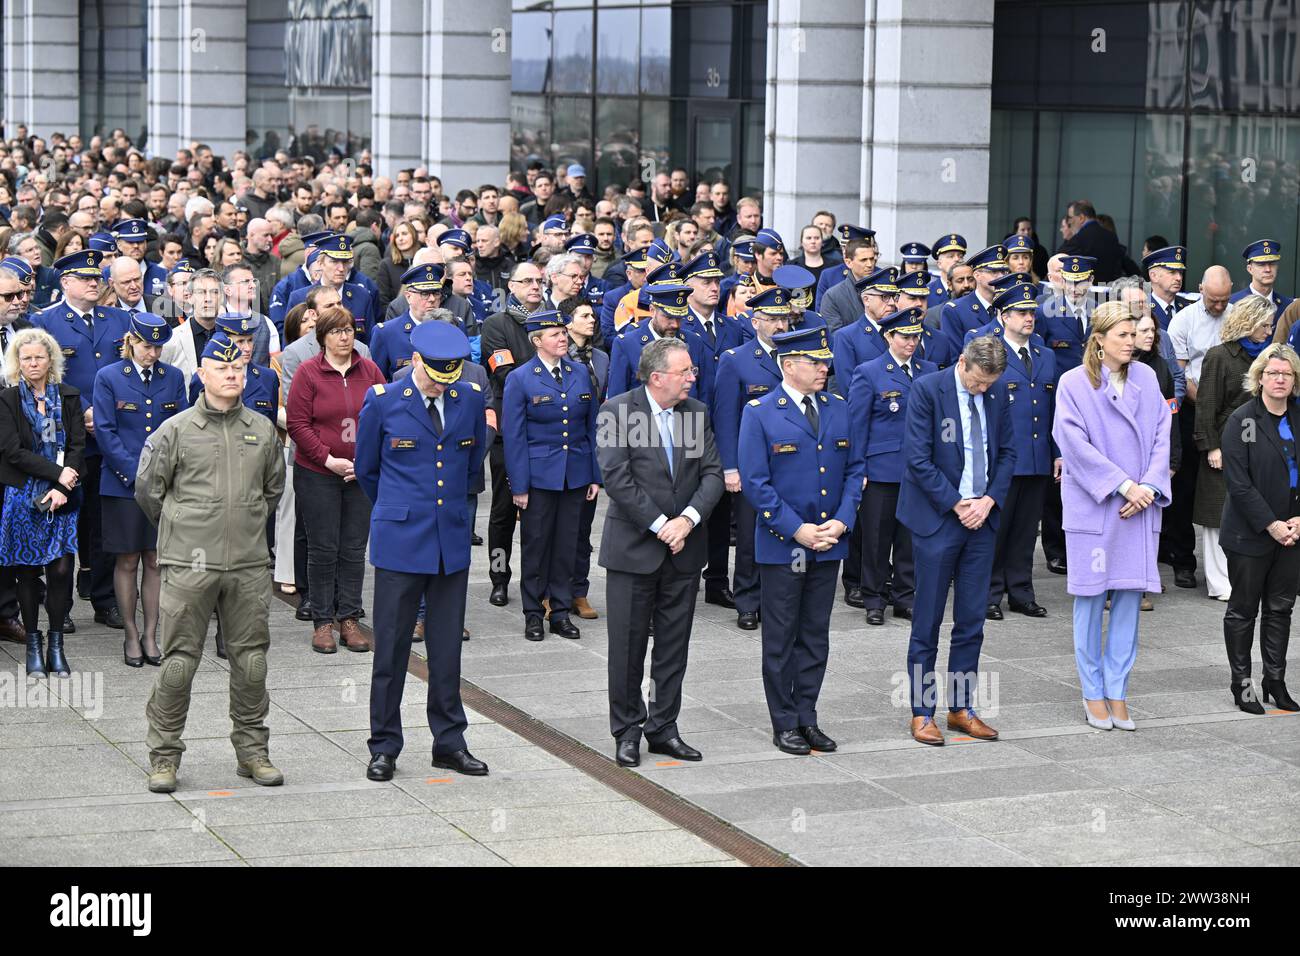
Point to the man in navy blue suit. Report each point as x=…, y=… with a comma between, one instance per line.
x=959, y=457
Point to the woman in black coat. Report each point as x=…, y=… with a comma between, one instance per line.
x=1146, y=349
x=42, y=457
x=1261, y=524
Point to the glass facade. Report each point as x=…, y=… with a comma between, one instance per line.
x=629, y=90
x=309, y=76
x=1178, y=118
x=113, y=52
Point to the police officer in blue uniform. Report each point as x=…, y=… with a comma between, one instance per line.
x=861, y=341
x=132, y=399
x=742, y=255
x=668, y=307
x=548, y=424
x=1167, y=270
x=834, y=275
x=915, y=256
x=419, y=451
x=971, y=311
x=1020, y=254
x=878, y=409
x=390, y=344
x=746, y=372
x=90, y=336
x=1262, y=257
x=336, y=263
x=295, y=280
x=583, y=245
x=799, y=284
x=1030, y=385
x=802, y=475
x=947, y=251
x=914, y=293
x=1064, y=323
x=131, y=236
x=261, y=384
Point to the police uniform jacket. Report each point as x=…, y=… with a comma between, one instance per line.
x=549, y=429
x=356, y=299
x=126, y=413
x=939, y=294
x=792, y=476
x=853, y=345
x=626, y=354
x=878, y=406
x=390, y=344
x=727, y=333
x=417, y=479
x=85, y=352
x=261, y=390
x=960, y=316
x=744, y=374
x=1031, y=396
x=1280, y=302
x=1063, y=330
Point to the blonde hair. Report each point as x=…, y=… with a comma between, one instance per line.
x=1253, y=380
x=1106, y=317
x=513, y=229
x=33, y=336
x=1245, y=317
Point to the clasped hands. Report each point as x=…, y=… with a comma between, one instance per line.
x=820, y=537
x=1137, y=498
x=675, y=532
x=1285, y=533
x=973, y=512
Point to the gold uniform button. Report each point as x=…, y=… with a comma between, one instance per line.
x=439, y=448
x=564, y=421
x=439, y=501
x=148, y=401
x=819, y=447
x=562, y=395
x=439, y=482
x=1035, y=434
x=565, y=435
x=96, y=355
x=564, y=447
x=564, y=408
x=148, y=414
x=439, y=464
x=823, y=491
x=823, y=514
x=822, y=469
x=147, y=428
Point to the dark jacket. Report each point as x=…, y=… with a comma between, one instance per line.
x=1166, y=378
x=639, y=487
x=17, y=460
x=1217, y=397
x=390, y=280
x=1257, y=477
x=1094, y=239
x=505, y=347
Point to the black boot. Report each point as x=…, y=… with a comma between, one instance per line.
x=55, y=662
x=1243, y=694
x=35, y=655
x=1277, y=690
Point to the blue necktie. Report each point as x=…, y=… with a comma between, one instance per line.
x=666, y=431
x=979, y=476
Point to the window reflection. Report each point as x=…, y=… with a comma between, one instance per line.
x=656, y=55
x=530, y=52
x=530, y=136
x=617, y=141
x=571, y=52
x=571, y=130
x=113, y=84
x=617, y=41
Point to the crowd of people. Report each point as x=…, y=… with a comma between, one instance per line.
x=228, y=376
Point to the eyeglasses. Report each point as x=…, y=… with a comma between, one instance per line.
x=525, y=281
x=693, y=372
x=12, y=296
x=1280, y=376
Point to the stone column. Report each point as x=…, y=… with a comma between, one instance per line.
x=397, y=41
x=813, y=155
x=929, y=139
x=42, y=82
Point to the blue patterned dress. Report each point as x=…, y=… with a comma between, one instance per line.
x=28, y=537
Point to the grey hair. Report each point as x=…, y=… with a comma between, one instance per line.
x=986, y=353
x=654, y=357
x=309, y=223
x=557, y=264
x=1123, y=283
x=17, y=239
x=202, y=274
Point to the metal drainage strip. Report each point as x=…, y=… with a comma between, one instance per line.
x=709, y=828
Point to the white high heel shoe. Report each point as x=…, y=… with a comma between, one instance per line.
x=1123, y=724
x=1098, y=722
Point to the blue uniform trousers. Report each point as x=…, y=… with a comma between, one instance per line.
x=796, y=639
x=744, y=581
x=960, y=558
x=882, y=535
x=548, y=541
x=582, y=561
x=1013, y=552
x=397, y=596
x=719, y=527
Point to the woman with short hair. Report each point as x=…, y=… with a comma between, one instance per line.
x=1261, y=524
x=1112, y=428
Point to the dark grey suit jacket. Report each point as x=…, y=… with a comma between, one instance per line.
x=842, y=305
x=634, y=466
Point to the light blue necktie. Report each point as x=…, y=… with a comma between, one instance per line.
x=979, y=475
x=666, y=433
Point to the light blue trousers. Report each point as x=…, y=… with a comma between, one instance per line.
x=1104, y=673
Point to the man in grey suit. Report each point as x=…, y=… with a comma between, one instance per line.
x=841, y=304
x=663, y=477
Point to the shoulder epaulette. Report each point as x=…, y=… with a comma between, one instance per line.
x=379, y=389
x=476, y=386
x=753, y=401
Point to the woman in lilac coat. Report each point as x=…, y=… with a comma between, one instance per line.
x=1112, y=426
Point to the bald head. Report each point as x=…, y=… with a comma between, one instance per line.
x=1216, y=287
x=125, y=276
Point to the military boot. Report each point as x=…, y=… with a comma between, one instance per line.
x=261, y=770
x=162, y=775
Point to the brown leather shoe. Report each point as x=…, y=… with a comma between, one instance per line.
x=926, y=731
x=322, y=640
x=967, y=723
x=584, y=610
x=350, y=636
x=11, y=630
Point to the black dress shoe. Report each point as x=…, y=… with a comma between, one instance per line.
x=1185, y=579
x=875, y=615
x=381, y=767
x=112, y=617
x=304, y=612
x=747, y=620
x=628, y=753
x=792, y=742
x=83, y=584
x=818, y=740
x=533, y=629
x=721, y=598
x=500, y=595
x=904, y=612
x=476, y=539
x=1032, y=609
x=853, y=597
x=675, y=747
x=1056, y=565
x=994, y=612
x=68, y=626
x=462, y=761
x=565, y=628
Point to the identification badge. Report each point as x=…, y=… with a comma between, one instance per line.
x=893, y=406
x=758, y=390
x=402, y=444
x=784, y=447
x=71, y=351
x=169, y=406
x=467, y=443
x=841, y=443
x=250, y=439
x=1059, y=345
x=262, y=404
x=585, y=397
x=541, y=399
x=127, y=407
